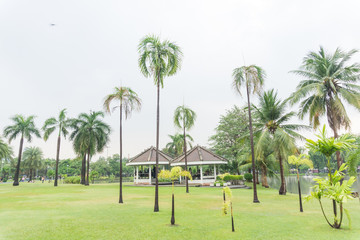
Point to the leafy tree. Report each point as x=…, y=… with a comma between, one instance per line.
x=93, y=175
x=158, y=60
x=229, y=141
x=184, y=118
x=128, y=101
x=62, y=123
x=176, y=147
x=334, y=187
x=329, y=82
x=50, y=174
x=32, y=160
x=271, y=123
x=253, y=78
x=174, y=174
x=302, y=159
x=90, y=133
x=25, y=127
x=70, y=167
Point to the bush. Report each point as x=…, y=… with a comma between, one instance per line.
x=221, y=183
x=72, y=180
x=248, y=177
x=229, y=178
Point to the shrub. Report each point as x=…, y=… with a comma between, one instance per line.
x=248, y=177
x=72, y=180
x=229, y=178
x=221, y=183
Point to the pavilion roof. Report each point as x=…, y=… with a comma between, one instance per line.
x=199, y=156
x=148, y=157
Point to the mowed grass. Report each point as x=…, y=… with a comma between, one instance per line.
x=40, y=211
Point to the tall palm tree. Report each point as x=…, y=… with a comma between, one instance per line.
x=184, y=118
x=253, y=78
x=271, y=123
x=158, y=60
x=5, y=153
x=176, y=146
x=5, y=149
x=50, y=125
x=90, y=133
x=25, y=127
x=32, y=160
x=329, y=81
x=128, y=101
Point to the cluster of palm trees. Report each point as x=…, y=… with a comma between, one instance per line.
x=89, y=135
x=329, y=81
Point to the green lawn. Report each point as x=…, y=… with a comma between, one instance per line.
x=40, y=211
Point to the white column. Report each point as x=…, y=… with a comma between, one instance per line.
x=163, y=167
x=201, y=175
x=150, y=174
x=137, y=174
x=215, y=172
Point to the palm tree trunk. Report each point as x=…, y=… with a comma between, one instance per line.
x=120, y=196
x=255, y=200
x=186, y=178
x=156, y=205
x=30, y=173
x=57, y=161
x=16, y=178
x=282, y=190
x=338, y=157
x=83, y=163
x=257, y=176
x=264, y=182
x=298, y=178
x=88, y=168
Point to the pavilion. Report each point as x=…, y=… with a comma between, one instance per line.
x=200, y=156
x=148, y=159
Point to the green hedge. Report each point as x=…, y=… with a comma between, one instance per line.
x=229, y=178
x=72, y=180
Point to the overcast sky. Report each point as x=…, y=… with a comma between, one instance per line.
x=93, y=47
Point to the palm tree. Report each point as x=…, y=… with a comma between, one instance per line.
x=184, y=118
x=5, y=153
x=32, y=159
x=253, y=78
x=302, y=159
x=271, y=123
x=50, y=125
x=128, y=101
x=25, y=127
x=176, y=146
x=158, y=60
x=90, y=134
x=329, y=82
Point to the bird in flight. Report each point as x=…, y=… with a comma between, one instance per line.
x=52, y=24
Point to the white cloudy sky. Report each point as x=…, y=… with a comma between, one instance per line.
x=93, y=48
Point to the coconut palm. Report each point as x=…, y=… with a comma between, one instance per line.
x=90, y=134
x=32, y=160
x=62, y=123
x=302, y=159
x=184, y=118
x=329, y=81
x=5, y=153
x=158, y=60
x=271, y=123
x=5, y=150
x=253, y=78
x=128, y=101
x=334, y=187
x=176, y=147
x=25, y=127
